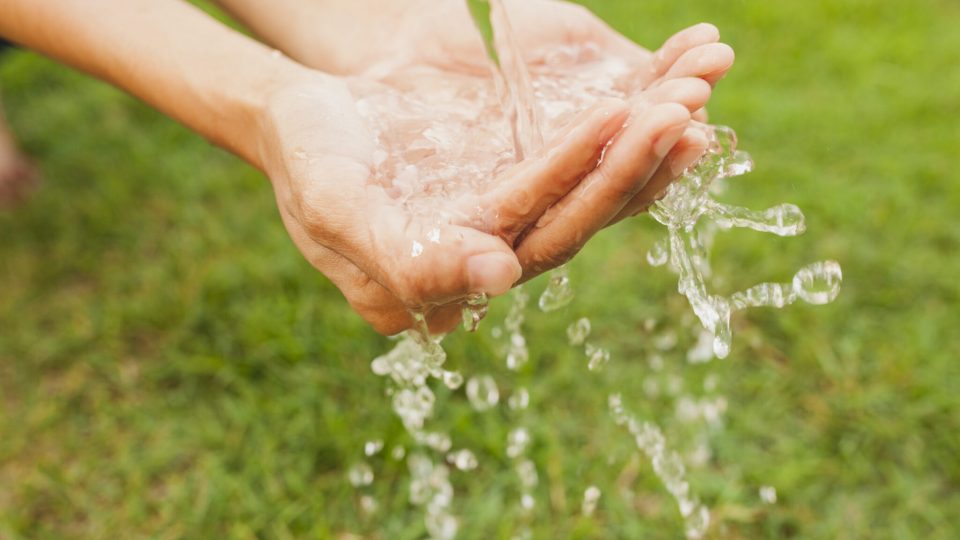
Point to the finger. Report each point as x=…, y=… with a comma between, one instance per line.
x=426, y=264
x=535, y=184
x=368, y=298
x=420, y=262
x=686, y=152
x=675, y=46
x=709, y=62
x=701, y=116
x=629, y=162
x=691, y=92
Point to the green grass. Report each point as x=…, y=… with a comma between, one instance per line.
x=171, y=368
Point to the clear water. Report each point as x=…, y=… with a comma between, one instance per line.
x=440, y=145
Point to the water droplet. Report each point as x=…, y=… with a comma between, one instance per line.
x=441, y=526
x=452, y=379
x=434, y=236
x=658, y=254
x=438, y=441
x=615, y=403
x=519, y=400
x=371, y=448
x=517, y=441
x=482, y=392
x=416, y=249
x=598, y=357
x=818, y=283
x=702, y=351
x=666, y=341
x=474, y=310
x=559, y=292
x=578, y=331
x=368, y=504
x=655, y=361
x=739, y=164
x=463, y=459
x=697, y=523
x=360, y=475
x=590, y=498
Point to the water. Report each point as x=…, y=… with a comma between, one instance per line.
x=688, y=202
x=591, y=496
x=768, y=494
x=578, y=331
x=667, y=464
x=483, y=393
x=438, y=147
x=464, y=459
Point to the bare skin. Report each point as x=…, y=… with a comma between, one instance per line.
x=673, y=84
x=269, y=109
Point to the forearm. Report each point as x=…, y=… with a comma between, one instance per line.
x=337, y=36
x=166, y=52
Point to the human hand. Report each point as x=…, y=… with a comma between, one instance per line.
x=440, y=36
x=634, y=173
x=386, y=261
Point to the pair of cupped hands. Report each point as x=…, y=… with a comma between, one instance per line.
x=546, y=207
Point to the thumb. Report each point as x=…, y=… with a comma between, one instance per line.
x=426, y=264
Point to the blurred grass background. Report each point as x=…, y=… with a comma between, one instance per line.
x=171, y=368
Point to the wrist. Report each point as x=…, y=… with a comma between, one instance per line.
x=348, y=36
x=249, y=103
x=280, y=103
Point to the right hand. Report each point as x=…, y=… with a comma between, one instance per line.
x=319, y=157
x=669, y=87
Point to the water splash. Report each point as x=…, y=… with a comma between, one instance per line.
x=668, y=466
x=559, y=292
x=768, y=494
x=688, y=201
x=360, y=475
x=463, y=459
x=436, y=148
x=591, y=496
x=483, y=393
x=578, y=331
x=474, y=310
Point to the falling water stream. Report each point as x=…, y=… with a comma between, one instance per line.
x=433, y=147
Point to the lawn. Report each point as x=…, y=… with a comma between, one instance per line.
x=171, y=368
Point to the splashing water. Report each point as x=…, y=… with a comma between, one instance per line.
x=688, y=201
x=667, y=464
x=438, y=145
x=590, y=498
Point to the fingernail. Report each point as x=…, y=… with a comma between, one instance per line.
x=492, y=273
x=684, y=160
x=668, y=139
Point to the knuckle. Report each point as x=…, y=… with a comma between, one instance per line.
x=551, y=253
x=313, y=217
x=619, y=184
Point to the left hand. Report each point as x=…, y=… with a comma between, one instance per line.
x=438, y=36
